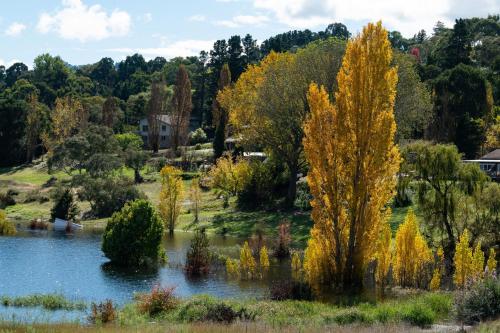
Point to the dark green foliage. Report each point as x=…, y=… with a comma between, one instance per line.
x=108, y=195
x=133, y=235
x=418, y=314
x=6, y=199
x=12, y=128
x=198, y=255
x=291, y=290
x=197, y=136
x=463, y=108
x=65, y=207
x=479, y=303
x=206, y=308
x=351, y=316
x=219, y=140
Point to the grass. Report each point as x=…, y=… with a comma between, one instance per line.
x=46, y=301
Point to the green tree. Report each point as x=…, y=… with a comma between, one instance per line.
x=133, y=235
x=132, y=153
x=65, y=207
x=198, y=255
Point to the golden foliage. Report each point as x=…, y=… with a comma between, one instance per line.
x=492, y=262
x=171, y=194
x=383, y=255
x=264, y=258
x=195, y=197
x=7, y=228
x=248, y=265
x=463, y=261
x=233, y=268
x=229, y=177
x=436, y=280
x=478, y=262
x=411, y=253
x=66, y=117
x=296, y=266
x=353, y=160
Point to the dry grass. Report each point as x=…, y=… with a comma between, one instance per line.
x=202, y=328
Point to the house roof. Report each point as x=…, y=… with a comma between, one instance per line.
x=164, y=118
x=493, y=155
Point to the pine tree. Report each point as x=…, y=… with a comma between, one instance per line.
x=463, y=261
x=181, y=109
x=353, y=161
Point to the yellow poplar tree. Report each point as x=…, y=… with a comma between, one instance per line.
x=247, y=262
x=463, y=261
x=264, y=259
x=492, y=262
x=411, y=253
x=353, y=161
x=383, y=255
x=171, y=194
x=296, y=266
x=478, y=261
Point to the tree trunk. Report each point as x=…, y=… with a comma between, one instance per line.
x=137, y=176
x=292, y=186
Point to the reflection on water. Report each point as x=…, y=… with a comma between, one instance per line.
x=74, y=265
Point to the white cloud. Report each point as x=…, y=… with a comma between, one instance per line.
x=242, y=20
x=7, y=64
x=405, y=16
x=15, y=29
x=79, y=21
x=182, y=48
x=197, y=18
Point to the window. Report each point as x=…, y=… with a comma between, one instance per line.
x=163, y=138
x=145, y=128
x=164, y=128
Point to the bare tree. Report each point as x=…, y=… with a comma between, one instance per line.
x=156, y=107
x=181, y=109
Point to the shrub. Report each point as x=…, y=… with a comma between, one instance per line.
x=38, y=224
x=480, y=302
x=102, y=313
x=133, y=235
x=158, y=301
x=294, y=290
x=108, y=195
x=64, y=207
x=6, y=227
x=419, y=314
x=35, y=195
x=282, y=249
x=206, y=308
x=6, y=200
x=351, y=316
x=198, y=255
x=304, y=197
x=197, y=136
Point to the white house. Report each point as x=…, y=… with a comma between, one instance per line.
x=164, y=130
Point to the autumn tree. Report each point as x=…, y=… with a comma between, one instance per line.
x=478, y=261
x=268, y=104
x=181, y=109
x=411, y=253
x=248, y=266
x=220, y=114
x=171, y=195
x=353, y=161
x=492, y=262
x=463, y=261
x=155, y=108
x=229, y=177
x=195, y=196
x=65, y=119
x=383, y=255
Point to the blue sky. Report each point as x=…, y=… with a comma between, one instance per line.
x=83, y=31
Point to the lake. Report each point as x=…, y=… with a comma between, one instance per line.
x=74, y=266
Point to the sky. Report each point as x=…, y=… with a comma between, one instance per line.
x=84, y=31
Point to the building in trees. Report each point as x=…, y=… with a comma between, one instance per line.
x=163, y=135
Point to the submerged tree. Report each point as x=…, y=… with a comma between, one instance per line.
x=353, y=161
x=171, y=194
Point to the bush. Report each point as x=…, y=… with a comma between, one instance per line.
x=304, y=197
x=108, y=195
x=158, y=301
x=6, y=227
x=290, y=290
x=198, y=255
x=282, y=248
x=418, y=314
x=6, y=200
x=206, y=308
x=102, y=313
x=35, y=195
x=351, y=316
x=64, y=207
x=197, y=136
x=481, y=302
x=133, y=235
